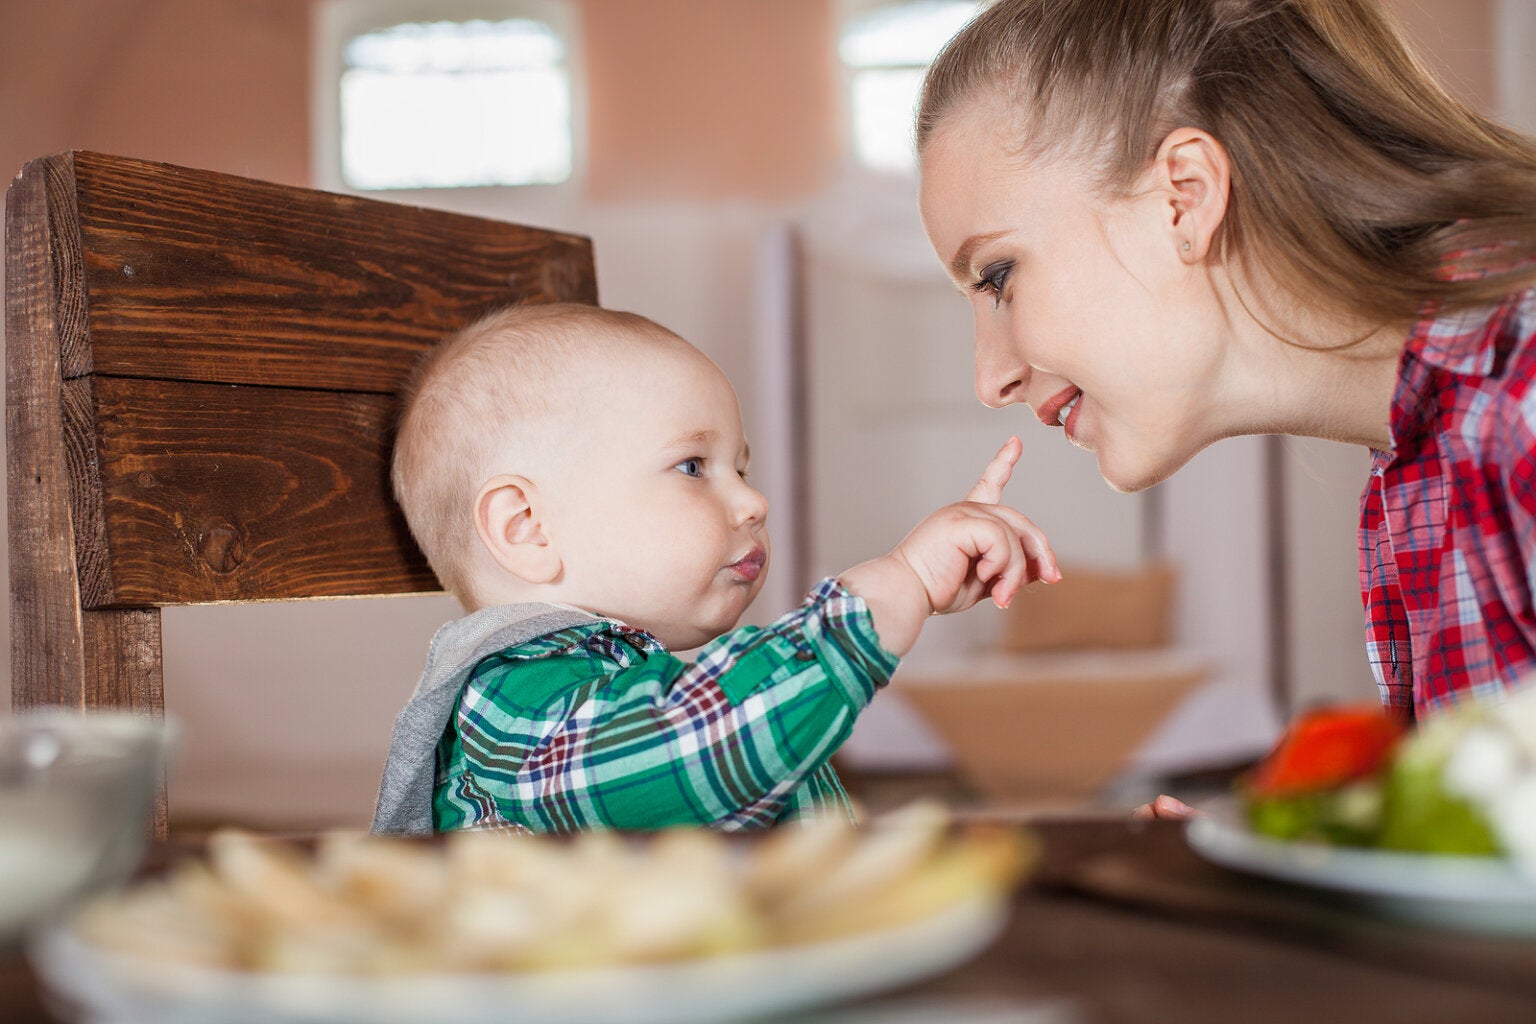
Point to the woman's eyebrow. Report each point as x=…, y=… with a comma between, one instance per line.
x=960, y=265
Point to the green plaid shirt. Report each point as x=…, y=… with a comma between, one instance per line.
x=599, y=726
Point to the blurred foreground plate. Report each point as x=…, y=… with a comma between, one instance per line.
x=1483, y=894
x=109, y=987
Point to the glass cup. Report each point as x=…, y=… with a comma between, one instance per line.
x=77, y=795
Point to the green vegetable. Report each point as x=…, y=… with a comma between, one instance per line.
x=1419, y=814
x=1349, y=815
x=1341, y=776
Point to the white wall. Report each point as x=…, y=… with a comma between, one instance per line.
x=1322, y=488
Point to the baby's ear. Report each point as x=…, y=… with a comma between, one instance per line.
x=507, y=520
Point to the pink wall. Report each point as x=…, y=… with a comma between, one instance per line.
x=1455, y=37
x=710, y=100
x=221, y=84
x=688, y=99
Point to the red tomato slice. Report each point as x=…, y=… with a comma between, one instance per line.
x=1326, y=748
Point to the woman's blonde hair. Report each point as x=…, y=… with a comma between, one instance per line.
x=1357, y=180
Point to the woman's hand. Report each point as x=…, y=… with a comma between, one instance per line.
x=1164, y=808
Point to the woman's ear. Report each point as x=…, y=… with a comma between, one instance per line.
x=1192, y=169
x=507, y=520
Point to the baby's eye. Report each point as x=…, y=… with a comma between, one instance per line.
x=691, y=467
x=993, y=278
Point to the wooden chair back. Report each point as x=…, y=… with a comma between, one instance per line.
x=200, y=381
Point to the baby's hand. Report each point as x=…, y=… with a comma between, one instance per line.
x=963, y=552
x=978, y=548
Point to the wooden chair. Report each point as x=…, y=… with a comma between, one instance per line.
x=200, y=372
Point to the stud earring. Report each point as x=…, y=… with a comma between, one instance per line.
x=1185, y=246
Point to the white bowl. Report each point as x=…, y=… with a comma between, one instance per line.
x=77, y=792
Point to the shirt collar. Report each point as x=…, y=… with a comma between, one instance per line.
x=1466, y=344
x=639, y=639
x=609, y=637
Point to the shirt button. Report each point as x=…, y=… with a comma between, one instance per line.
x=633, y=641
x=804, y=655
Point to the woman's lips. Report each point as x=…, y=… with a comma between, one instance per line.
x=1069, y=423
x=750, y=566
x=1049, y=411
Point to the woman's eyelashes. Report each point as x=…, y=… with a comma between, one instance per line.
x=993, y=279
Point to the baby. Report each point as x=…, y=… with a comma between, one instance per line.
x=578, y=479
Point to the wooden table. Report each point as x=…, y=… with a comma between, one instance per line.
x=1123, y=923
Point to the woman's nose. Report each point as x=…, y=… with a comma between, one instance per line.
x=1000, y=375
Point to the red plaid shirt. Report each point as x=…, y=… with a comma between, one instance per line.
x=1448, y=519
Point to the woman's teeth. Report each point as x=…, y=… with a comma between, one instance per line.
x=1066, y=410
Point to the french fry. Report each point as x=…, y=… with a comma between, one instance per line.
x=499, y=901
x=783, y=859
x=277, y=882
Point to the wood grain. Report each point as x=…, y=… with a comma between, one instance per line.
x=228, y=493
x=47, y=649
x=200, y=375
x=195, y=275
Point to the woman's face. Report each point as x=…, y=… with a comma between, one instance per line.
x=1087, y=310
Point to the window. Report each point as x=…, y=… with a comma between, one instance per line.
x=453, y=104
x=885, y=51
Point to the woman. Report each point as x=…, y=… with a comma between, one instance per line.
x=1184, y=220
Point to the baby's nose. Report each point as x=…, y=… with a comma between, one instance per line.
x=751, y=505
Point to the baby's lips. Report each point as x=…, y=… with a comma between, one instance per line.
x=750, y=566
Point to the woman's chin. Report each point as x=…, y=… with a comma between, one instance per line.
x=1131, y=475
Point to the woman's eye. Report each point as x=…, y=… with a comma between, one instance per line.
x=691, y=467
x=993, y=278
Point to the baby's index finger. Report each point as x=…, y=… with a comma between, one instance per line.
x=989, y=489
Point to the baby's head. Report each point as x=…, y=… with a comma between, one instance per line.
x=584, y=456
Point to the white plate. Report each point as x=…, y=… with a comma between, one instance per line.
x=1486, y=894
x=111, y=987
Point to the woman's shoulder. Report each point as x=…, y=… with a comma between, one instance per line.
x=1482, y=341
x=1515, y=344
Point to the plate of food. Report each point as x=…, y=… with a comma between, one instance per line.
x=681, y=926
x=1436, y=825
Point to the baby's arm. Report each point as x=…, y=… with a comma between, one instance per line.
x=596, y=735
x=963, y=552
